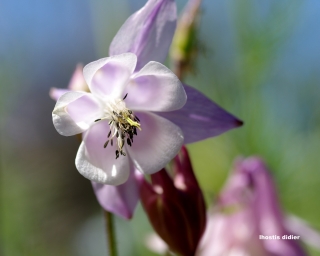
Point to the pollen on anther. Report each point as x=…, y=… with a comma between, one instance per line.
x=123, y=127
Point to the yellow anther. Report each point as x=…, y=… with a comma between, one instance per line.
x=133, y=123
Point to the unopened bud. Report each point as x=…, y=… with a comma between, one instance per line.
x=176, y=207
x=185, y=44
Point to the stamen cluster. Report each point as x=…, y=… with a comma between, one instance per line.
x=123, y=126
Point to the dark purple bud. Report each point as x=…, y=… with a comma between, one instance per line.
x=175, y=206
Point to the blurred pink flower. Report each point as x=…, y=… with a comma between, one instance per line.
x=77, y=83
x=167, y=123
x=246, y=209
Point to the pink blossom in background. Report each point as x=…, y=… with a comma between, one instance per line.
x=77, y=83
x=247, y=208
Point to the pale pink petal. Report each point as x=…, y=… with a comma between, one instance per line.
x=109, y=76
x=157, y=143
x=148, y=33
x=110, y=80
x=85, y=110
x=120, y=200
x=155, y=88
x=74, y=112
x=56, y=93
x=77, y=82
x=97, y=163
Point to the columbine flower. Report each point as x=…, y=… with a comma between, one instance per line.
x=148, y=34
x=116, y=118
x=248, y=208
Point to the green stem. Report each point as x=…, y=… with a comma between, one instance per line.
x=110, y=233
x=167, y=253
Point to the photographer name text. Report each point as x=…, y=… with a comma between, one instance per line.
x=275, y=237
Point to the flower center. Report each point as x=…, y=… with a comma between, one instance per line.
x=123, y=124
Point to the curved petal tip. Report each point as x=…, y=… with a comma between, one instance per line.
x=238, y=123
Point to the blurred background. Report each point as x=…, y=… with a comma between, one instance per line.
x=260, y=60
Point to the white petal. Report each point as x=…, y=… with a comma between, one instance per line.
x=109, y=75
x=74, y=112
x=155, y=88
x=157, y=143
x=97, y=163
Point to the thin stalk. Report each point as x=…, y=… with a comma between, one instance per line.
x=110, y=233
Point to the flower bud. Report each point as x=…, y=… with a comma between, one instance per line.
x=175, y=206
x=185, y=43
